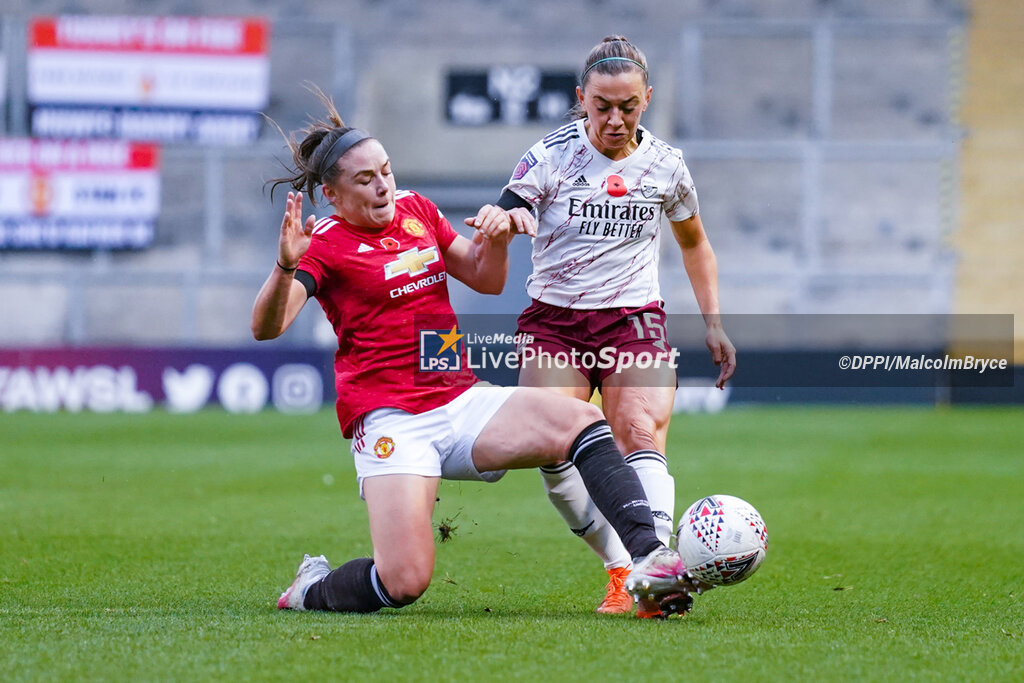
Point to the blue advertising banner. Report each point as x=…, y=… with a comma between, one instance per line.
x=180, y=380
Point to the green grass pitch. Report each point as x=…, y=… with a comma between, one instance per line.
x=153, y=547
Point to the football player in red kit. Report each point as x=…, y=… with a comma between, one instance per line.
x=377, y=264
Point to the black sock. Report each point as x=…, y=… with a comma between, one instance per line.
x=614, y=488
x=352, y=587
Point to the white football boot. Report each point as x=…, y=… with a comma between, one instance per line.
x=659, y=584
x=310, y=571
x=661, y=572
x=662, y=586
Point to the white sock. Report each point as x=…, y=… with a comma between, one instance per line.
x=568, y=494
x=660, y=487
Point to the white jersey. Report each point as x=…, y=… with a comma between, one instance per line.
x=599, y=234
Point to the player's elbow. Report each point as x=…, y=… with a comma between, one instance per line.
x=492, y=287
x=262, y=333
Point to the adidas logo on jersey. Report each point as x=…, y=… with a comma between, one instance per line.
x=363, y=247
x=581, y=182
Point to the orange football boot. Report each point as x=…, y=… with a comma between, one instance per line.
x=616, y=599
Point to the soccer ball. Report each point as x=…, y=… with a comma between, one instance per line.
x=722, y=540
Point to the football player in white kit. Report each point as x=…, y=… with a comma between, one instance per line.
x=600, y=186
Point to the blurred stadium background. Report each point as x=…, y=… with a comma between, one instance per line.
x=852, y=156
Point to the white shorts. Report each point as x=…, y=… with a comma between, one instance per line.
x=437, y=443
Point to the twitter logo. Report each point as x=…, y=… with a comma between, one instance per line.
x=187, y=392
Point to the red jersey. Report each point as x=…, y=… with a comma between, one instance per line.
x=372, y=284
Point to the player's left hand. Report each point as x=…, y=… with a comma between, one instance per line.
x=491, y=222
x=723, y=353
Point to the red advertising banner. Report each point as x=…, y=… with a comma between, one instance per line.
x=192, y=35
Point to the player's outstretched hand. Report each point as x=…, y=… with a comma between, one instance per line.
x=491, y=222
x=723, y=353
x=295, y=235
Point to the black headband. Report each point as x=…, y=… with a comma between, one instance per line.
x=341, y=145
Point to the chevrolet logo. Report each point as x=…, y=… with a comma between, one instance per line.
x=412, y=261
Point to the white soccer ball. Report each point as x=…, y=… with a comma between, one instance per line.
x=722, y=539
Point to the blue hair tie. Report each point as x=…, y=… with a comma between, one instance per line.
x=611, y=59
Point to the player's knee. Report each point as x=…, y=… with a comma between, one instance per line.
x=406, y=584
x=563, y=420
x=586, y=414
x=578, y=416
